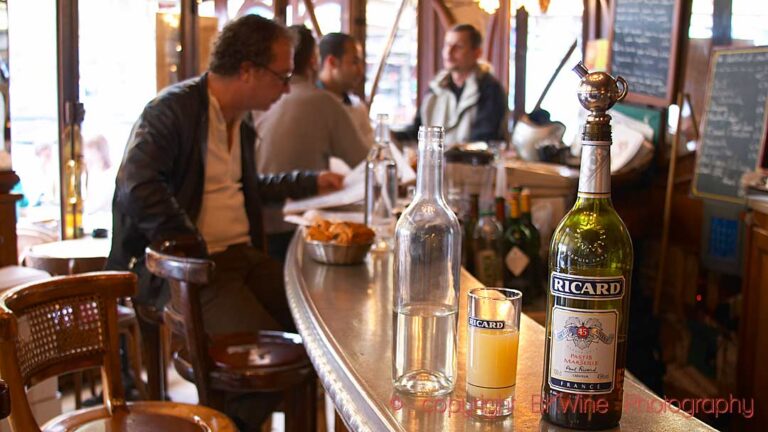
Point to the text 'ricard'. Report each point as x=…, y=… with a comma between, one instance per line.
x=592, y=288
x=486, y=324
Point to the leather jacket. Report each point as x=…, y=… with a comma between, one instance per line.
x=159, y=187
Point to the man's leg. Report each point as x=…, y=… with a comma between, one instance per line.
x=266, y=282
x=277, y=245
x=228, y=304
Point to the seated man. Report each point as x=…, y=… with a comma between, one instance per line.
x=189, y=171
x=464, y=97
x=302, y=131
x=342, y=70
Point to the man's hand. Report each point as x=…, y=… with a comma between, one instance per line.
x=328, y=182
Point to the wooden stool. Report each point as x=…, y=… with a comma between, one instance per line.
x=266, y=361
x=69, y=323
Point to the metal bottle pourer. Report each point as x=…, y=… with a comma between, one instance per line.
x=598, y=92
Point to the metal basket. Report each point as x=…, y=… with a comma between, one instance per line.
x=331, y=253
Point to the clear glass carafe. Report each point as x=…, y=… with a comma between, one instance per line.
x=427, y=262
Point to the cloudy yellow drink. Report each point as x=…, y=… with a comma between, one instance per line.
x=492, y=353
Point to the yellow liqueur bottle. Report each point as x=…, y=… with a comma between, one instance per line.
x=590, y=268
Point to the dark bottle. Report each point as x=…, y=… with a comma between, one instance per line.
x=501, y=211
x=468, y=227
x=518, y=271
x=590, y=269
x=487, y=247
x=534, y=241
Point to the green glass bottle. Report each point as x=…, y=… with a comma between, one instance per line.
x=534, y=240
x=590, y=268
x=518, y=268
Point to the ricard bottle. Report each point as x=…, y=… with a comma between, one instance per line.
x=381, y=186
x=427, y=260
x=590, y=267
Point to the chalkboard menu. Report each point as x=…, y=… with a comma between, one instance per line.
x=644, y=46
x=734, y=124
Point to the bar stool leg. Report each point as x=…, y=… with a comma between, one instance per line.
x=77, y=383
x=150, y=338
x=134, y=357
x=301, y=407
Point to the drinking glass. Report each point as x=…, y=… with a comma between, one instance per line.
x=493, y=334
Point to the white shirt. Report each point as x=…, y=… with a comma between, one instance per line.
x=223, y=221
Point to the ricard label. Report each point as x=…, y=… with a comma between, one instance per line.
x=583, y=351
x=587, y=288
x=486, y=324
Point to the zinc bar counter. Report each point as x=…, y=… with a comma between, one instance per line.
x=344, y=314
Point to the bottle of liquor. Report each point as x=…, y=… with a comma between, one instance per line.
x=381, y=186
x=534, y=241
x=74, y=181
x=468, y=246
x=487, y=248
x=499, y=193
x=501, y=211
x=74, y=172
x=590, y=268
x=426, y=265
x=518, y=271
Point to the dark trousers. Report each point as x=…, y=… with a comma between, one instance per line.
x=247, y=294
x=277, y=245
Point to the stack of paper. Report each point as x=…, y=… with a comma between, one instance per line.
x=353, y=189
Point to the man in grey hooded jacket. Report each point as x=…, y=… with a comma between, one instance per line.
x=464, y=98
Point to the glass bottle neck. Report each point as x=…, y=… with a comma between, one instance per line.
x=381, y=136
x=595, y=171
x=429, y=179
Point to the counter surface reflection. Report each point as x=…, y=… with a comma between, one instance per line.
x=344, y=314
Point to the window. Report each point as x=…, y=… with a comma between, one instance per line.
x=124, y=55
x=330, y=15
x=748, y=21
x=550, y=34
x=33, y=111
x=397, y=91
x=701, y=20
x=117, y=78
x=237, y=8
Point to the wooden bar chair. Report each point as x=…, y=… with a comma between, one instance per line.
x=69, y=323
x=264, y=361
x=126, y=317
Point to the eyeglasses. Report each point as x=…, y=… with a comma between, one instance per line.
x=284, y=78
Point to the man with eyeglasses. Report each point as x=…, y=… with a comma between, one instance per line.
x=303, y=130
x=189, y=171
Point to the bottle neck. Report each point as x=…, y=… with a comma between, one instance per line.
x=514, y=209
x=500, y=209
x=474, y=206
x=525, y=207
x=381, y=135
x=595, y=172
x=429, y=179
